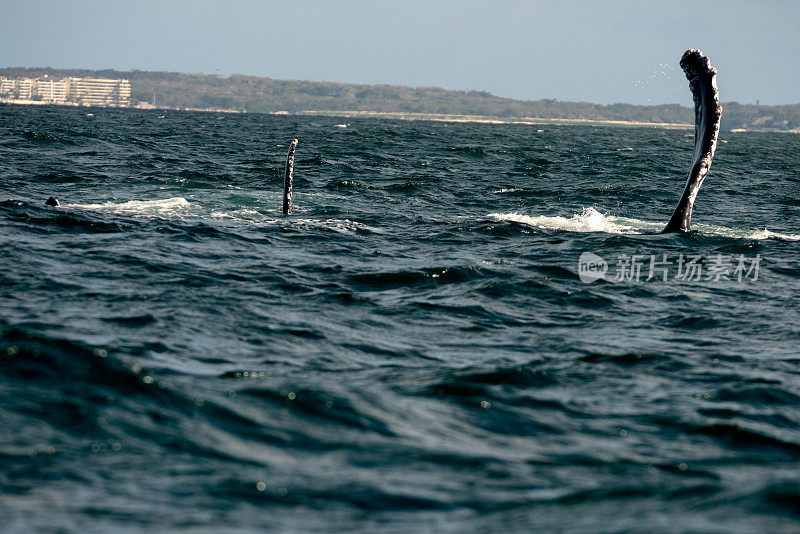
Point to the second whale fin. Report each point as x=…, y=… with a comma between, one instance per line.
x=287, y=179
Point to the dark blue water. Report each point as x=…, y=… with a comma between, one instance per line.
x=413, y=350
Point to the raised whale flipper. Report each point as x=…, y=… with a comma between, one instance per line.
x=707, y=112
x=287, y=179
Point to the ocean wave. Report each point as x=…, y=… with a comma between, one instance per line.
x=46, y=137
x=180, y=209
x=591, y=220
x=388, y=355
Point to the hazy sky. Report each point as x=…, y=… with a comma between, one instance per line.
x=596, y=51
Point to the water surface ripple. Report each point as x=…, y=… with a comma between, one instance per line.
x=412, y=350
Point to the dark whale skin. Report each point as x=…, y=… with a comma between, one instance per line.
x=707, y=112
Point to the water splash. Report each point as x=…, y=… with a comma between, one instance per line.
x=139, y=207
x=654, y=87
x=745, y=234
x=237, y=215
x=591, y=220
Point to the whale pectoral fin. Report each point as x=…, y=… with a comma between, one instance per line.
x=287, y=179
x=707, y=112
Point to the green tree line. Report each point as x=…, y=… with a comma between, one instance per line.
x=266, y=95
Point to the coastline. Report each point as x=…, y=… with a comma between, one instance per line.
x=410, y=116
x=140, y=105
x=480, y=119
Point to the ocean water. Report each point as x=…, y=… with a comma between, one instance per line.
x=415, y=349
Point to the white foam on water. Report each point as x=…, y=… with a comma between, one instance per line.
x=343, y=226
x=237, y=215
x=591, y=220
x=743, y=233
x=160, y=207
x=180, y=208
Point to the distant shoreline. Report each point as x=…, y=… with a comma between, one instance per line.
x=258, y=94
x=480, y=119
x=408, y=116
x=140, y=105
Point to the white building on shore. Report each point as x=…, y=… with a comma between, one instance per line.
x=76, y=91
x=6, y=86
x=53, y=91
x=25, y=87
x=100, y=92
